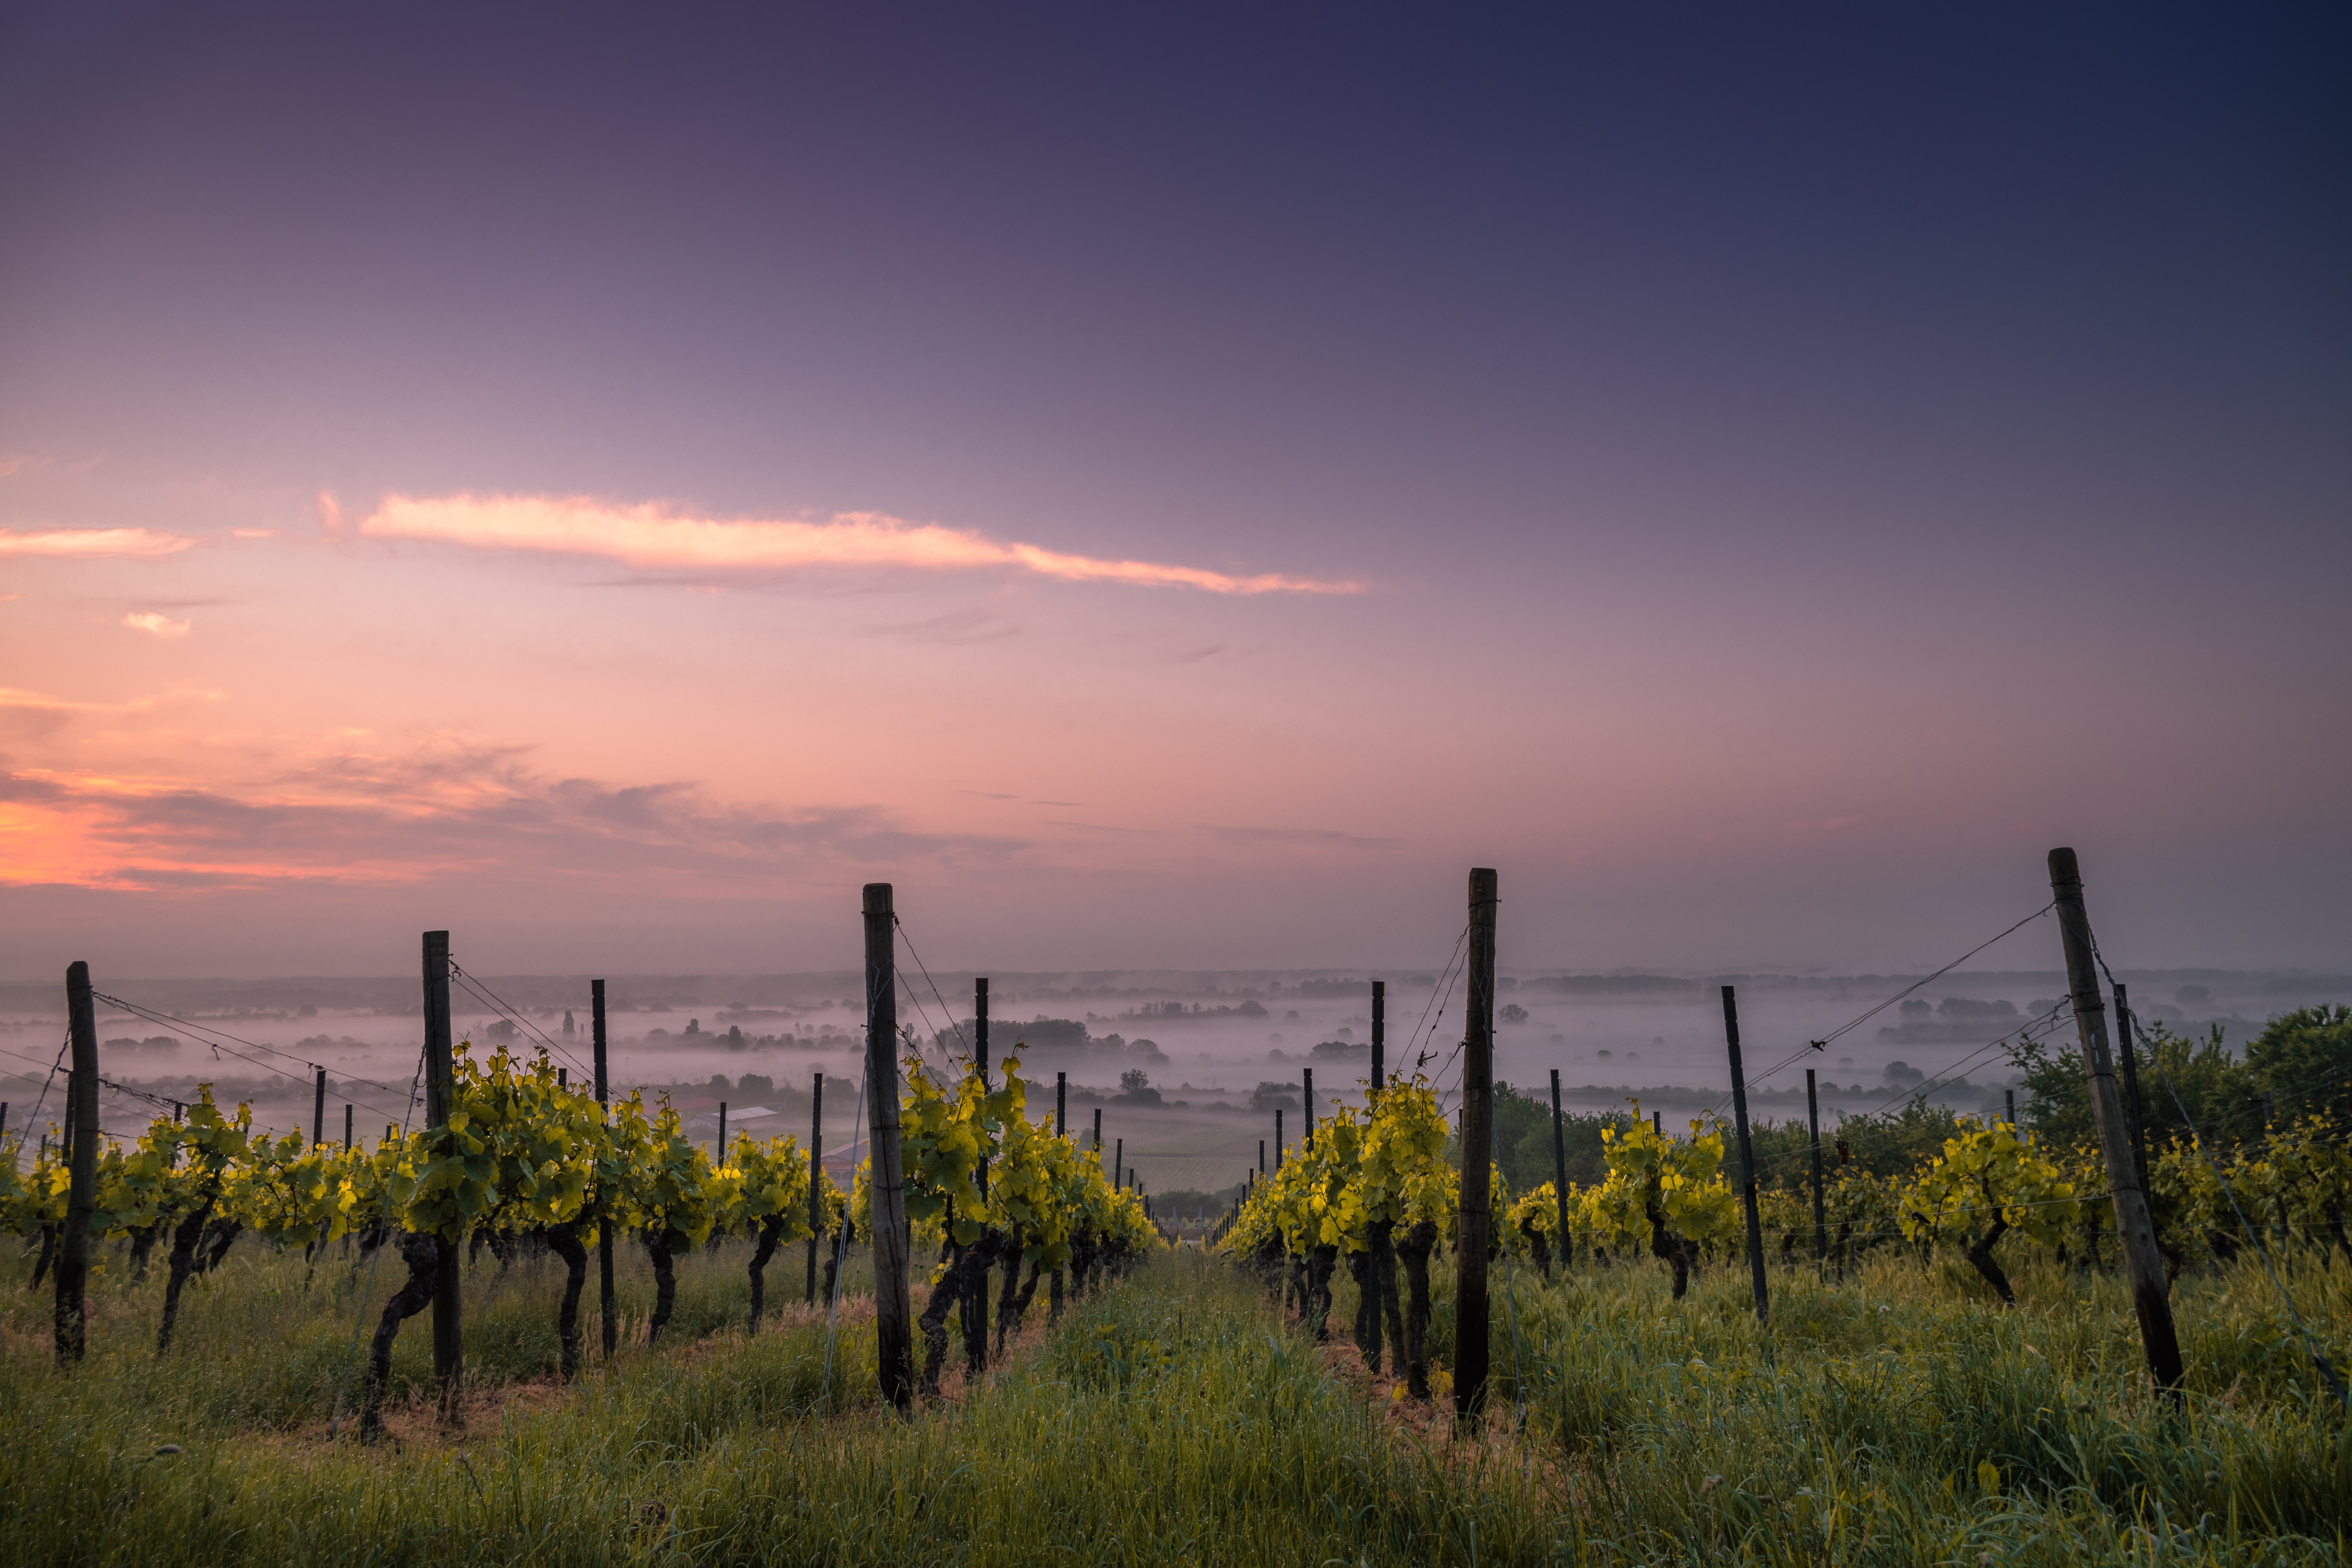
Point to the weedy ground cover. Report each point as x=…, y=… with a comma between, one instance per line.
x=1176, y=1418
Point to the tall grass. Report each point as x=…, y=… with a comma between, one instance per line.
x=1176, y=1419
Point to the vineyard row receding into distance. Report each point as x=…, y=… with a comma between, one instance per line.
x=513, y=1156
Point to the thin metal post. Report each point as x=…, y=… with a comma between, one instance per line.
x=1746, y=1153
x=1559, y=1171
x=1821, y=1213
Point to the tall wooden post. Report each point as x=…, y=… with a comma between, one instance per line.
x=346, y=1127
x=1277, y=1138
x=2143, y=1264
x=2131, y=1082
x=1559, y=1171
x=1261, y=1157
x=816, y=1178
x=1062, y=1106
x=1746, y=1153
x=719, y=1155
x=1470, y=1323
x=440, y=1098
x=1308, y=1093
x=319, y=1109
x=81, y=1160
x=1821, y=1212
x=608, y=1317
x=893, y=1318
x=1380, y=1038
x=1117, y=1164
x=1098, y=1130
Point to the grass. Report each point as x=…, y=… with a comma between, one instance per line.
x=1175, y=1419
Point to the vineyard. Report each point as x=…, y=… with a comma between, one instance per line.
x=1925, y=1337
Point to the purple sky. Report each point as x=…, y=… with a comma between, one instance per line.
x=1785, y=474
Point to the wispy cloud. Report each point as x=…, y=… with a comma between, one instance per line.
x=128, y=543
x=163, y=626
x=1301, y=838
x=654, y=537
x=445, y=810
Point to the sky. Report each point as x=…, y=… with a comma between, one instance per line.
x=1171, y=488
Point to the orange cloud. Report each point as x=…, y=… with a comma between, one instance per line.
x=652, y=536
x=158, y=625
x=133, y=544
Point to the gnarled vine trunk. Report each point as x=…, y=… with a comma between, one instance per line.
x=423, y=1256
x=143, y=1242
x=1541, y=1246
x=1320, y=1262
x=658, y=1246
x=1011, y=1284
x=1414, y=1250
x=1384, y=1274
x=954, y=1287
x=1980, y=1255
x=1665, y=1244
x=185, y=1237
x=772, y=1231
x=1368, y=1311
x=48, y=1252
x=565, y=1243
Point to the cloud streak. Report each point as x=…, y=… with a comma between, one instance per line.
x=88, y=544
x=440, y=813
x=650, y=536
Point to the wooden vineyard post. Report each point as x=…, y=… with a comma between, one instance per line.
x=319, y=1109
x=816, y=1178
x=81, y=1192
x=1821, y=1215
x=1470, y=1324
x=440, y=1096
x=346, y=1127
x=1099, y=1132
x=608, y=1323
x=2142, y=1262
x=1308, y=1094
x=1117, y=1164
x=1380, y=1038
x=1746, y=1153
x=1277, y=1138
x=1062, y=1106
x=1559, y=1171
x=719, y=1155
x=1261, y=1156
x=893, y=1318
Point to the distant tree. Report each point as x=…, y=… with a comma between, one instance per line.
x=1512, y=1013
x=2213, y=1084
x=1268, y=1097
x=2303, y=1059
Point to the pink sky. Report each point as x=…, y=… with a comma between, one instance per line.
x=615, y=515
